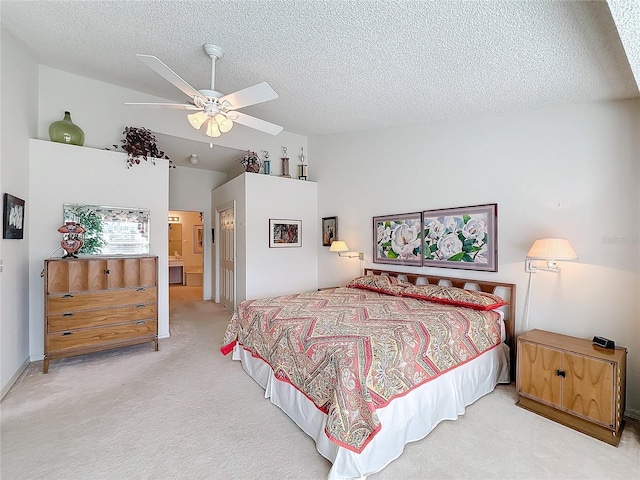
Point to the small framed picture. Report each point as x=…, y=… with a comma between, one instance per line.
x=13, y=218
x=329, y=230
x=285, y=233
x=198, y=239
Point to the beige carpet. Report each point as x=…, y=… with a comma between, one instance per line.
x=187, y=412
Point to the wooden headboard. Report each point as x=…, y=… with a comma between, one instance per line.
x=504, y=290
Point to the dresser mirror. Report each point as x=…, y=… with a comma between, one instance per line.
x=110, y=230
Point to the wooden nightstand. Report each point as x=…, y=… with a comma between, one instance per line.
x=570, y=381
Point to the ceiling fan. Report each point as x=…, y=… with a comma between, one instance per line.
x=217, y=112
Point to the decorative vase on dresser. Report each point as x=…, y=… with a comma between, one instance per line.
x=99, y=303
x=65, y=131
x=573, y=382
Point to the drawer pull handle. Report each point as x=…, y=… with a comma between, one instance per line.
x=141, y=322
x=140, y=289
x=67, y=314
x=561, y=373
x=140, y=305
x=68, y=295
x=106, y=271
x=66, y=334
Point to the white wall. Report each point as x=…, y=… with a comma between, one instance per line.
x=280, y=271
x=18, y=122
x=262, y=271
x=570, y=172
x=190, y=189
x=63, y=173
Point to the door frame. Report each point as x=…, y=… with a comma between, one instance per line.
x=215, y=270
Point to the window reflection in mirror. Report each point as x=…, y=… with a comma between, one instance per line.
x=111, y=230
x=175, y=239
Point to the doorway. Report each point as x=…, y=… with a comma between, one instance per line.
x=186, y=254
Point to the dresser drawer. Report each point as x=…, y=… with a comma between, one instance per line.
x=95, y=318
x=81, y=339
x=110, y=298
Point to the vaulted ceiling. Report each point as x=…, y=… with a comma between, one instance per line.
x=342, y=66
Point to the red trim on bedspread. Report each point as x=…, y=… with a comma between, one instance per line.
x=228, y=348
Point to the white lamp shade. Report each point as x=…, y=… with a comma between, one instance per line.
x=552, y=249
x=197, y=119
x=224, y=124
x=339, y=246
x=212, y=129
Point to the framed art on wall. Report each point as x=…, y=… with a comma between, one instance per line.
x=397, y=239
x=329, y=230
x=13, y=218
x=285, y=233
x=198, y=239
x=464, y=237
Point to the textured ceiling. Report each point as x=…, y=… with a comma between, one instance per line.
x=342, y=66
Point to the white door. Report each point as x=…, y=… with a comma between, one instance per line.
x=227, y=259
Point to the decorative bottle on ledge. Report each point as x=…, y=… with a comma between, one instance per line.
x=65, y=131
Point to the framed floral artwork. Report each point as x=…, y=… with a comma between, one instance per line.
x=285, y=233
x=463, y=237
x=397, y=239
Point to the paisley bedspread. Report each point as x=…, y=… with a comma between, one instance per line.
x=352, y=351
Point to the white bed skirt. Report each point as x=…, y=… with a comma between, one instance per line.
x=405, y=419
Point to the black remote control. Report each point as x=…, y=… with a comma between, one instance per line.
x=604, y=342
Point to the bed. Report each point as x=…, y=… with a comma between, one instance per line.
x=367, y=368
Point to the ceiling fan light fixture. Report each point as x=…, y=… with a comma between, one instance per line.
x=213, y=130
x=197, y=119
x=224, y=124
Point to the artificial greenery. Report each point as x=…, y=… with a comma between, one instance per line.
x=141, y=144
x=92, y=223
x=251, y=162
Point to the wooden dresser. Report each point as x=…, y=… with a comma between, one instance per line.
x=573, y=382
x=99, y=303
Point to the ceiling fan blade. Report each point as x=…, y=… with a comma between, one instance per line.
x=158, y=66
x=256, y=123
x=262, y=92
x=185, y=106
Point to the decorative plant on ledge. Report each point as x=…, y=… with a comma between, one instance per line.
x=140, y=144
x=251, y=162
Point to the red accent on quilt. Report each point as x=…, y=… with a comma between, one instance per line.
x=353, y=351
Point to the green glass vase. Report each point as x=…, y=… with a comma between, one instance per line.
x=65, y=131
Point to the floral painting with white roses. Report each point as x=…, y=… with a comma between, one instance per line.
x=461, y=238
x=398, y=239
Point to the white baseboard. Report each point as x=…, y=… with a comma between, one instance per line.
x=635, y=414
x=15, y=378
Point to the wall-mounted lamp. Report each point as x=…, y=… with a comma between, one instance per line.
x=342, y=249
x=174, y=219
x=551, y=250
